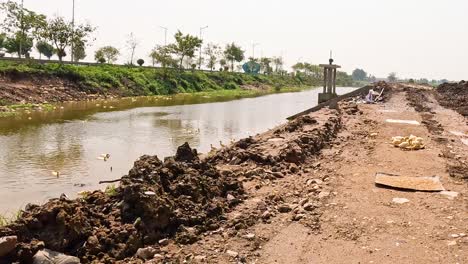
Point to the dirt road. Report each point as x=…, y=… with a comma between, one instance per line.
x=337, y=214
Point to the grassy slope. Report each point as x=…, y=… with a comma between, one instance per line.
x=130, y=81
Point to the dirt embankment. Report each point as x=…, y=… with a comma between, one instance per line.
x=454, y=96
x=18, y=88
x=181, y=199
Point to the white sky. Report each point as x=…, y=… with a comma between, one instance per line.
x=415, y=38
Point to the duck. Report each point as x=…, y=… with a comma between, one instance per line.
x=221, y=144
x=213, y=148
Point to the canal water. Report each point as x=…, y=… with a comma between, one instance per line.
x=72, y=139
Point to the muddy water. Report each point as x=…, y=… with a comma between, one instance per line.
x=70, y=139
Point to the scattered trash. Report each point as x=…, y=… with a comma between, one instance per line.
x=400, y=200
x=150, y=193
x=56, y=173
x=373, y=135
x=408, y=122
x=52, y=257
x=449, y=194
x=408, y=143
x=409, y=183
x=104, y=157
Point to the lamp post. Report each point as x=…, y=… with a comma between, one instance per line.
x=253, y=49
x=21, y=37
x=165, y=35
x=73, y=33
x=200, y=57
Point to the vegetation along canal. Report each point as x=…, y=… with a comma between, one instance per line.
x=45, y=154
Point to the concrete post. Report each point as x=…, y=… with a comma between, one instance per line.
x=334, y=81
x=325, y=80
x=329, y=81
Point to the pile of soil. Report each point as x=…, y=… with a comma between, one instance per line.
x=179, y=198
x=454, y=96
x=289, y=144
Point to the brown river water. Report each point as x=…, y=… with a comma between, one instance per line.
x=71, y=139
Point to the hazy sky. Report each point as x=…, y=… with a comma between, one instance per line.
x=415, y=38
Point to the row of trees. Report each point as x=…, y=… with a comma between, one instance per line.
x=23, y=28
x=182, y=54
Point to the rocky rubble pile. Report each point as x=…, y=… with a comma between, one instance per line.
x=288, y=144
x=178, y=198
x=454, y=96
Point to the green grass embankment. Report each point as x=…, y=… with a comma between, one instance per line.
x=135, y=81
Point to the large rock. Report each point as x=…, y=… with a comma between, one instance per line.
x=146, y=253
x=186, y=154
x=51, y=257
x=7, y=244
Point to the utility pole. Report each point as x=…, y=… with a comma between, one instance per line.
x=22, y=33
x=200, y=57
x=73, y=33
x=165, y=35
x=253, y=49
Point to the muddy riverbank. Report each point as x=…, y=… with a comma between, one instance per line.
x=180, y=198
x=71, y=140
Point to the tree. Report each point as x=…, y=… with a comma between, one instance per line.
x=45, y=49
x=18, y=43
x=298, y=67
x=278, y=61
x=212, y=51
x=162, y=56
x=61, y=34
x=132, y=43
x=107, y=53
x=234, y=53
x=359, y=75
x=223, y=64
x=265, y=65
x=185, y=46
x=2, y=40
x=22, y=25
x=140, y=62
x=392, y=77
x=79, y=52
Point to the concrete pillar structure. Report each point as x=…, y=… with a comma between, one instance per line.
x=329, y=81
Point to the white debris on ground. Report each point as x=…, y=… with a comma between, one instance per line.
x=408, y=143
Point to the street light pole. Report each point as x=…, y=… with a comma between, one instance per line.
x=253, y=49
x=200, y=57
x=165, y=35
x=21, y=37
x=73, y=33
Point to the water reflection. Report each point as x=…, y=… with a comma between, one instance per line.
x=71, y=139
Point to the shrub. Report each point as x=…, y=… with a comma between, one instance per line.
x=140, y=62
x=230, y=86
